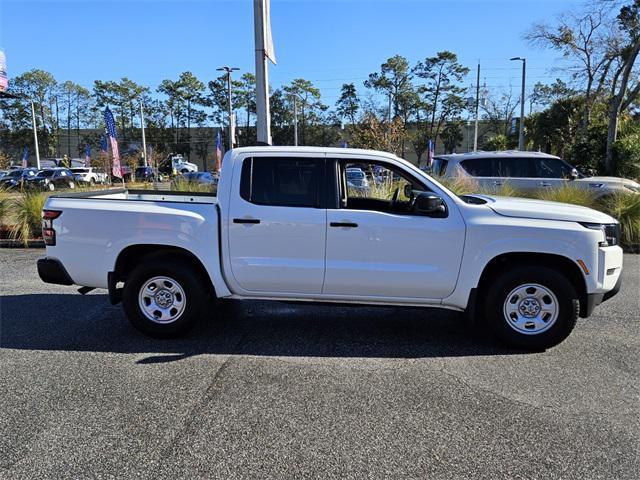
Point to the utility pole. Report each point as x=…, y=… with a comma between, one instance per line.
x=521, y=133
x=475, y=128
x=35, y=134
x=232, y=132
x=144, y=138
x=264, y=51
x=295, y=119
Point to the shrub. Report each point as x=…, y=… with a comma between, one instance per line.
x=460, y=184
x=568, y=194
x=625, y=207
x=4, y=208
x=504, y=190
x=179, y=184
x=27, y=215
x=497, y=142
x=626, y=156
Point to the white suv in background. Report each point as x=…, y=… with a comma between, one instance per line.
x=525, y=171
x=89, y=175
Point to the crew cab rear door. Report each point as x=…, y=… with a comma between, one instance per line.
x=277, y=224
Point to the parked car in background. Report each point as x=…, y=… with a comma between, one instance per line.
x=89, y=175
x=525, y=171
x=145, y=174
x=17, y=178
x=357, y=177
x=202, y=178
x=52, y=179
x=3, y=173
x=285, y=227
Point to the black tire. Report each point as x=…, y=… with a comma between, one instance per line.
x=568, y=307
x=187, y=280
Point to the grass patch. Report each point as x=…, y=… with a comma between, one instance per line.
x=27, y=216
x=625, y=207
x=569, y=194
x=181, y=185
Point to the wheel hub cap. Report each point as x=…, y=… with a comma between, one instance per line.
x=162, y=299
x=531, y=309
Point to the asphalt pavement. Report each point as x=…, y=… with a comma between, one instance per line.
x=271, y=390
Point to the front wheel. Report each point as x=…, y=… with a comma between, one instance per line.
x=72, y=185
x=163, y=298
x=532, y=307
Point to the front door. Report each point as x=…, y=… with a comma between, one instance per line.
x=277, y=226
x=378, y=247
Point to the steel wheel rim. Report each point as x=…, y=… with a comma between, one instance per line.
x=531, y=309
x=162, y=300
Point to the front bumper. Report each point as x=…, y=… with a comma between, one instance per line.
x=51, y=270
x=595, y=299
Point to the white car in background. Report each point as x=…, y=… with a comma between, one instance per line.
x=89, y=175
x=525, y=171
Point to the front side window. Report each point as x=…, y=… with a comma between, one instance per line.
x=381, y=187
x=282, y=181
x=552, y=168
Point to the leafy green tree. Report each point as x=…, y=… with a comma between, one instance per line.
x=544, y=95
x=348, y=104
x=310, y=107
x=441, y=93
x=395, y=81
x=451, y=136
x=125, y=97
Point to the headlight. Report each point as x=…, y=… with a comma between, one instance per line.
x=611, y=232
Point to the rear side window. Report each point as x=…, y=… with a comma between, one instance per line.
x=439, y=166
x=479, y=167
x=285, y=182
x=515, y=167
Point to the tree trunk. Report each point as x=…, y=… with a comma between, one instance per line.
x=615, y=106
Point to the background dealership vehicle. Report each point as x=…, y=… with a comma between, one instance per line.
x=525, y=171
x=52, y=179
x=89, y=175
x=177, y=164
x=200, y=178
x=16, y=178
x=285, y=226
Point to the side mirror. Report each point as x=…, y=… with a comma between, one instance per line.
x=574, y=174
x=408, y=190
x=428, y=204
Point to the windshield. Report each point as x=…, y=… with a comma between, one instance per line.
x=15, y=173
x=46, y=173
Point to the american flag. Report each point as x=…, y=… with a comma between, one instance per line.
x=25, y=155
x=430, y=153
x=87, y=155
x=111, y=131
x=104, y=146
x=218, y=152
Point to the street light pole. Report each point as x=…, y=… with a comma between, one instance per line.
x=475, y=128
x=521, y=133
x=295, y=119
x=228, y=70
x=144, y=139
x=35, y=134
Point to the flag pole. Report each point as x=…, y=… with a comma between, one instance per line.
x=144, y=140
x=35, y=134
x=263, y=119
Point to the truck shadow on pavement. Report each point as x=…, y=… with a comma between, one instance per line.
x=71, y=322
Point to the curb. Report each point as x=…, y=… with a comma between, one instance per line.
x=7, y=243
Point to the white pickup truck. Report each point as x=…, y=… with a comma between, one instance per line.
x=285, y=225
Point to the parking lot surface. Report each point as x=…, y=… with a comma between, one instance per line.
x=270, y=390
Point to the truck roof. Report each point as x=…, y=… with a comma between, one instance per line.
x=319, y=150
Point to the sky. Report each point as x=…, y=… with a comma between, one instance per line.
x=327, y=42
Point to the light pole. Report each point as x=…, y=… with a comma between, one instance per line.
x=295, y=118
x=144, y=138
x=35, y=134
x=228, y=70
x=524, y=70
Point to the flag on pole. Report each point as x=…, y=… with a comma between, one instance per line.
x=25, y=155
x=111, y=131
x=4, y=82
x=87, y=155
x=268, y=39
x=218, y=152
x=430, y=153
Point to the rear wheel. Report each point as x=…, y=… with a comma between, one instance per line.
x=51, y=186
x=163, y=298
x=72, y=185
x=532, y=307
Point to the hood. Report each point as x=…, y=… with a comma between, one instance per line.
x=609, y=181
x=543, y=210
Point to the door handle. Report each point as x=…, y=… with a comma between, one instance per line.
x=343, y=224
x=246, y=220
x=544, y=184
